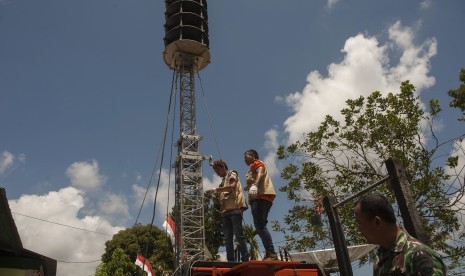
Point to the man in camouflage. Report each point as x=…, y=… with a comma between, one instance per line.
x=398, y=253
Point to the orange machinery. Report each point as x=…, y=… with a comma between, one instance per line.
x=254, y=268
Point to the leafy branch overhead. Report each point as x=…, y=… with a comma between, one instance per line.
x=341, y=158
x=458, y=95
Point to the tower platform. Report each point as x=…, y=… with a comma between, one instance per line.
x=254, y=268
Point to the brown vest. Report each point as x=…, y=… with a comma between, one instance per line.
x=265, y=186
x=233, y=200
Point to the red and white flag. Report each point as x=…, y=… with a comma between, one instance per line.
x=170, y=229
x=145, y=265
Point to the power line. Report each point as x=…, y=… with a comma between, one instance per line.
x=82, y=229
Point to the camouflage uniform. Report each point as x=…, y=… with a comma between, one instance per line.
x=408, y=257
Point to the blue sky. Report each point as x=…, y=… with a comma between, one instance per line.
x=84, y=97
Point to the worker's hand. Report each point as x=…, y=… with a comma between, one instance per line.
x=253, y=191
x=209, y=193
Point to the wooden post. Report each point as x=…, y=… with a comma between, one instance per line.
x=342, y=254
x=405, y=200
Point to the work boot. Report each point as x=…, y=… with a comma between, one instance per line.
x=270, y=256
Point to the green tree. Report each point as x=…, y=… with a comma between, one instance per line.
x=458, y=95
x=121, y=251
x=250, y=232
x=118, y=265
x=213, y=228
x=342, y=158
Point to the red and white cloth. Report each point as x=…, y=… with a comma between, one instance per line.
x=170, y=229
x=145, y=265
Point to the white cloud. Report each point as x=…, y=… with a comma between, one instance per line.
x=457, y=182
x=365, y=68
x=85, y=175
x=426, y=4
x=214, y=182
x=271, y=146
x=69, y=244
x=223, y=255
x=6, y=161
x=330, y=3
x=139, y=192
x=458, y=174
x=414, y=63
x=114, y=208
x=22, y=158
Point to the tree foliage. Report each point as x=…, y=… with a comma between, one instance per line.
x=249, y=233
x=343, y=158
x=458, y=95
x=148, y=241
x=118, y=265
x=213, y=228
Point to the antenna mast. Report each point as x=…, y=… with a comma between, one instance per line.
x=186, y=52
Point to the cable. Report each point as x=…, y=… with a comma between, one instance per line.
x=162, y=151
x=82, y=229
x=161, y=164
x=158, y=154
x=209, y=116
x=148, y=185
x=163, y=145
x=171, y=157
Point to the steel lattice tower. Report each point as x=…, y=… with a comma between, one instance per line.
x=186, y=52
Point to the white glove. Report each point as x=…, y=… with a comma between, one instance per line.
x=253, y=191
